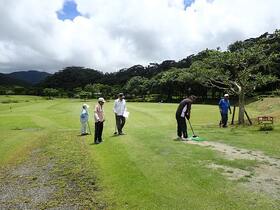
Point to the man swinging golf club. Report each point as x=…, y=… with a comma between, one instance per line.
x=120, y=110
x=183, y=112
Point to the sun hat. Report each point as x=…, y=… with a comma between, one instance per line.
x=101, y=100
x=85, y=106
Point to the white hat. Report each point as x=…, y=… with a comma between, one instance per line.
x=85, y=106
x=101, y=100
x=226, y=95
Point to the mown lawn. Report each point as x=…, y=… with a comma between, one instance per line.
x=146, y=168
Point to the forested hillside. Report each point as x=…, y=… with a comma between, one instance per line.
x=207, y=74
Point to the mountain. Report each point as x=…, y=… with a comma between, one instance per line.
x=32, y=77
x=72, y=77
x=8, y=81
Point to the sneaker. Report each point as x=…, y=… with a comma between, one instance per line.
x=121, y=133
x=184, y=139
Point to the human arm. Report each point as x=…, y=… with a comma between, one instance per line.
x=115, y=107
x=220, y=105
x=96, y=114
x=188, y=112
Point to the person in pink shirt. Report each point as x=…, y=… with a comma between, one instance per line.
x=99, y=120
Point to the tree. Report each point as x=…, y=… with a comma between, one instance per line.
x=3, y=90
x=19, y=90
x=137, y=85
x=50, y=92
x=84, y=95
x=173, y=82
x=98, y=89
x=236, y=72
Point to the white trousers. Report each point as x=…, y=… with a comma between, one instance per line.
x=83, y=127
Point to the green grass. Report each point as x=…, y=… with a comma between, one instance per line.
x=145, y=169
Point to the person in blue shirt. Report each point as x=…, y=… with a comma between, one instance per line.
x=84, y=119
x=224, y=106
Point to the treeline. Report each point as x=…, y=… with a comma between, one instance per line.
x=254, y=62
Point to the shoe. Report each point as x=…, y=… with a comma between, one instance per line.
x=121, y=133
x=96, y=142
x=183, y=139
x=188, y=139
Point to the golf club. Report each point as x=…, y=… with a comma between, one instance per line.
x=194, y=136
x=115, y=133
x=89, y=128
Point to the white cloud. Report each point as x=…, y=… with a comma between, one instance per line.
x=120, y=33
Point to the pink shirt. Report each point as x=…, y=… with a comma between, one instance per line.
x=98, y=113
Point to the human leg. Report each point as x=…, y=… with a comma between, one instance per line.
x=100, y=130
x=122, y=123
x=83, y=128
x=118, y=123
x=96, y=131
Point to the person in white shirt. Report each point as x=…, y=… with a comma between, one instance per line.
x=119, y=110
x=84, y=119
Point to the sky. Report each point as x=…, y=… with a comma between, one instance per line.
x=111, y=35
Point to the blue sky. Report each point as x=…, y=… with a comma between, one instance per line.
x=69, y=11
x=188, y=3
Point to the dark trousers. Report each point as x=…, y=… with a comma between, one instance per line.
x=120, y=122
x=224, y=119
x=181, y=127
x=98, y=132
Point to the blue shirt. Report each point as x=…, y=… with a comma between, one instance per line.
x=84, y=116
x=224, y=105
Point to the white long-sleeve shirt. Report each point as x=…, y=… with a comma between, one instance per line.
x=119, y=107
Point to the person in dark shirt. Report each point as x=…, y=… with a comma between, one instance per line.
x=183, y=112
x=224, y=106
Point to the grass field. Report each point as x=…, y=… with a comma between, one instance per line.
x=44, y=163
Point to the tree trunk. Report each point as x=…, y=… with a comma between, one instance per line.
x=241, y=107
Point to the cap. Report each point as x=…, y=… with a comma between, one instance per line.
x=226, y=95
x=121, y=95
x=101, y=100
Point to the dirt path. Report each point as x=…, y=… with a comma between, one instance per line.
x=265, y=177
x=49, y=182
x=26, y=186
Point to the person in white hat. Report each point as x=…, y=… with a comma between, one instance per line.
x=224, y=106
x=84, y=119
x=99, y=120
